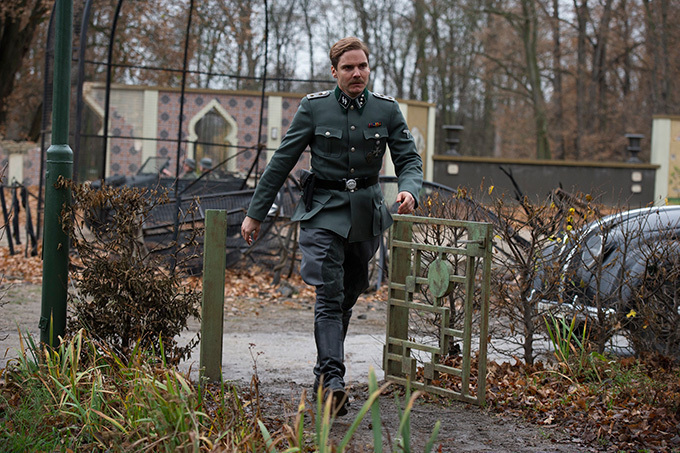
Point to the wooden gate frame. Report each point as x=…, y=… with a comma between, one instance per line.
x=405, y=278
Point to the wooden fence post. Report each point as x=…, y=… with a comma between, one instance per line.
x=397, y=316
x=212, y=316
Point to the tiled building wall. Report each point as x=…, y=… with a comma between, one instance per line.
x=126, y=120
x=242, y=108
x=135, y=122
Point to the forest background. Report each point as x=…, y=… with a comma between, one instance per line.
x=546, y=79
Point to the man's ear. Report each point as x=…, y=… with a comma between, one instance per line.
x=334, y=72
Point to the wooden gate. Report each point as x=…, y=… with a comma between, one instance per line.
x=439, y=298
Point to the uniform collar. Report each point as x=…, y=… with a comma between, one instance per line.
x=347, y=102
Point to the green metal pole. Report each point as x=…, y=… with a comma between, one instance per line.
x=59, y=164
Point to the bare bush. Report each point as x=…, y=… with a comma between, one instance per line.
x=528, y=236
x=126, y=295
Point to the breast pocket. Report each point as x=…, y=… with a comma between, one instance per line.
x=329, y=141
x=376, y=142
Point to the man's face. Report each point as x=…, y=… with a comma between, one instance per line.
x=352, y=72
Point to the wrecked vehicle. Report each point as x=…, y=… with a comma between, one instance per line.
x=620, y=272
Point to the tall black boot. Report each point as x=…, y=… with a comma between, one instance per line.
x=329, y=338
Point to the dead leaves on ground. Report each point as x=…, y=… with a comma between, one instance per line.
x=633, y=406
x=19, y=268
x=636, y=406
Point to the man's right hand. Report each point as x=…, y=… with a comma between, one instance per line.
x=250, y=229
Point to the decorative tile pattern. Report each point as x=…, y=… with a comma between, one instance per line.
x=125, y=148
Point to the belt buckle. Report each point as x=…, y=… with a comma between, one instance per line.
x=350, y=184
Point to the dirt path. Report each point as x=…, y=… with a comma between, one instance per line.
x=276, y=340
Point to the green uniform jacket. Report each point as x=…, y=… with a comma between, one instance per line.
x=345, y=143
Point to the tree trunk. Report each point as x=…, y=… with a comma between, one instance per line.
x=420, y=75
x=598, y=83
x=15, y=41
x=529, y=31
x=557, y=83
x=657, y=32
x=581, y=120
x=310, y=41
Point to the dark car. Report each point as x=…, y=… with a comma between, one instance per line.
x=620, y=271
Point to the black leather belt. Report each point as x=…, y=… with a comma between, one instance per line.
x=349, y=185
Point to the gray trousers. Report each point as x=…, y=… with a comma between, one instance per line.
x=339, y=271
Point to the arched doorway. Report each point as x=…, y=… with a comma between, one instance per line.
x=213, y=134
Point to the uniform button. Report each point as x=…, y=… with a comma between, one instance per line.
x=377, y=135
x=328, y=133
x=352, y=127
x=351, y=170
x=352, y=149
x=351, y=107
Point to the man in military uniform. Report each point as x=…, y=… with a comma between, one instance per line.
x=206, y=165
x=347, y=131
x=189, y=169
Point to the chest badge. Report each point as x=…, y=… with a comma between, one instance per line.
x=377, y=124
x=376, y=153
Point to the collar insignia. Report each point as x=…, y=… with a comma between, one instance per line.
x=347, y=102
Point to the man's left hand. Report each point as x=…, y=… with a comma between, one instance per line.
x=406, y=203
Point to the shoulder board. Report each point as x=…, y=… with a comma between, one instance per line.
x=319, y=94
x=382, y=96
